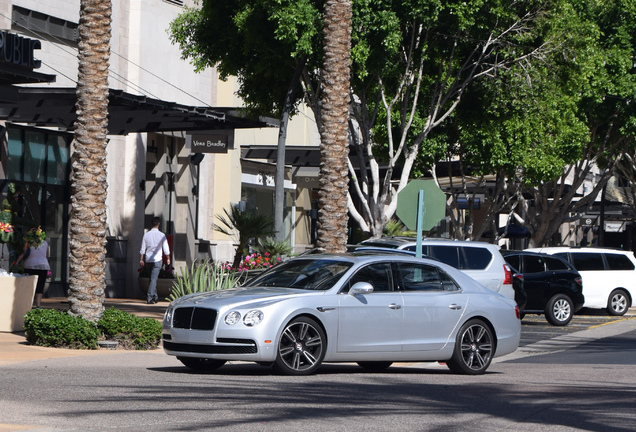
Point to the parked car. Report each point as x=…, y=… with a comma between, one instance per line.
x=364, y=307
x=481, y=261
x=609, y=275
x=552, y=285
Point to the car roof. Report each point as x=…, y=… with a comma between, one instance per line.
x=553, y=249
x=397, y=241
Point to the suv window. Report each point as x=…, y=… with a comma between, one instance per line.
x=584, y=261
x=618, y=262
x=446, y=254
x=556, y=264
x=533, y=264
x=476, y=258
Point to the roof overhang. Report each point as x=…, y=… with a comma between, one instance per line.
x=127, y=113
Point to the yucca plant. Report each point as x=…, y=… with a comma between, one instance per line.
x=202, y=277
x=243, y=225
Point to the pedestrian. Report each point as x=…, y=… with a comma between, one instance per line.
x=153, y=246
x=36, y=260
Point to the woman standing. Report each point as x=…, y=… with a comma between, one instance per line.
x=36, y=263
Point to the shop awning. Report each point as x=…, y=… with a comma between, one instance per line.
x=127, y=113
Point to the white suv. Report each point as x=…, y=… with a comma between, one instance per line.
x=481, y=261
x=609, y=275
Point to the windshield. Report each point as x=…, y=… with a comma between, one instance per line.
x=307, y=274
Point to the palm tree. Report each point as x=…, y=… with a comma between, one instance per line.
x=243, y=225
x=334, y=150
x=87, y=225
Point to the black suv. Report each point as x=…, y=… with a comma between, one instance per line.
x=552, y=285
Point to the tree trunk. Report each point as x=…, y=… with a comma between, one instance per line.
x=334, y=149
x=87, y=278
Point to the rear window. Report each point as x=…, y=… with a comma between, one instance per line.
x=556, y=264
x=618, y=262
x=533, y=264
x=586, y=261
x=446, y=254
x=476, y=258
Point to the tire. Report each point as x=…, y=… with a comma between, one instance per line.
x=375, y=366
x=201, y=364
x=474, y=348
x=559, y=310
x=618, y=303
x=301, y=347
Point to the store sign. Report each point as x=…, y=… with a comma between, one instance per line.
x=209, y=143
x=18, y=50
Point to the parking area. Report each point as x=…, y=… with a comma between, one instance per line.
x=535, y=327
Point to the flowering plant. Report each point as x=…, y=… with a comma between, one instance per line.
x=17, y=269
x=6, y=227
x=35, y=237
x=255, y=261
x=166, y=272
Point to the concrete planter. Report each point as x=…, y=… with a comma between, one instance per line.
x=16, y=299
x=164, y=286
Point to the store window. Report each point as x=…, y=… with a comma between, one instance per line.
x=36, y=189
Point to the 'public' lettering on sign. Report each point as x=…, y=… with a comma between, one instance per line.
x=18, y=50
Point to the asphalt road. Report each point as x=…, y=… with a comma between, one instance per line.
x=574, y=380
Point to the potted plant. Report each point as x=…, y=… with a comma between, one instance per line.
x=164, y=282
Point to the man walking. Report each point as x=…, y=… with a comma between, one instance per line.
x=153, y=245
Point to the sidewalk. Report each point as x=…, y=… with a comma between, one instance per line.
x=15, y=349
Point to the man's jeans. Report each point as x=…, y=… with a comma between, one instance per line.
x=154, y=275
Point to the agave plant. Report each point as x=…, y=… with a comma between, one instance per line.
x=273, y=247
x=202, y=277
x=243, y=225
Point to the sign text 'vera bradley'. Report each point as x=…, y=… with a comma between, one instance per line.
x=18, y=50
x=209, y=143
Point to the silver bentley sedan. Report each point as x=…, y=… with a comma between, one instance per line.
x=370, y=308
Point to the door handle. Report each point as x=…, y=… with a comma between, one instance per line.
x=455, y=306
x=395, y=306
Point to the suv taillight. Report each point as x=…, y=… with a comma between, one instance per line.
x=507, y=275
x=578, y=280
x=518, y=312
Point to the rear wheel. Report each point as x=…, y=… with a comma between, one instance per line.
x=618, y=303
x=201, y=364
x=301, y=347
x=559, y=309
x=474, y=348
x=375, y=366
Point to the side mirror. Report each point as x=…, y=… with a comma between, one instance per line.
x=361, y=288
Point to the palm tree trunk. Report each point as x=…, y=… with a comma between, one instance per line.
x=334, y=149
x=87, y=280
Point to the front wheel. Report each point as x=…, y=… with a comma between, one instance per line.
x=201, y=364
x=559, y=309
x=618, y=303
x=474, y=348
x=301, y=347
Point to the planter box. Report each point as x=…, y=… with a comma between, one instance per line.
x=16, y=299
x=164, y=287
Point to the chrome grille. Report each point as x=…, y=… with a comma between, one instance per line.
x=194, y=318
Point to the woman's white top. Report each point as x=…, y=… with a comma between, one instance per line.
x=37, y=257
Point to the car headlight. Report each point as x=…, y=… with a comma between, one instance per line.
x=167, y=316
x=232, y=318
x=252, y=318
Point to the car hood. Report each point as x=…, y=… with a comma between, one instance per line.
x=242, y=296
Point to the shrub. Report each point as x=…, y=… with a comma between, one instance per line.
x=54, y=328
x=130, y=331
x=202, y=277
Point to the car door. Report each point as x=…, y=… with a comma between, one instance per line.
x=536, y=281
x=433, y=306
x=371, y=322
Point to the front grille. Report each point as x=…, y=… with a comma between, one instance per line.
x=210, y=349
x=194, y=318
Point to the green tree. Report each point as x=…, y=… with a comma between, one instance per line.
x=87, y=225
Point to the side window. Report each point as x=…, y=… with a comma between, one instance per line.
x=378, y=275
x=411, y=248
x=533, y=264
x=583, y=261
x=446, y=254
x=420, y=277
x=476, y=258
x=556, y=264
x=513, y=260
x=618, y=262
